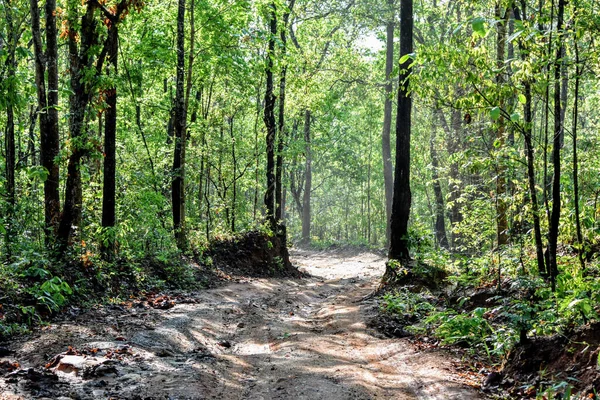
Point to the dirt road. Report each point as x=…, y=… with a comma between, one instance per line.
x=257, y=339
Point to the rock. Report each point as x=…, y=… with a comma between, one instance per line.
x=100, y=370
x=493, y=379
x=79, y=364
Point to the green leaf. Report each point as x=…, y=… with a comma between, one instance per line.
x=478, y=25
x=522, y=99
x=515, y=117
x=495, y=113
x=405, y=57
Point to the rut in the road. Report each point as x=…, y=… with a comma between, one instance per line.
x=260, y=339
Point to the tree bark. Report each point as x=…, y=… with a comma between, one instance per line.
x=440, y=222
x=178, y=170
x=386, y=148
x=269, y=119
x=306, y=212
x=501, y=207
x=527, y=135
x=9, y=140
x=402, y=195
x=279, y=206
x=578, y=72
x=110, y=160
x=558, y=133
x=47, y=111
x=80, y=60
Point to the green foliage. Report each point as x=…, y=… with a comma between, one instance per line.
x=407, y=305
x=53, y=293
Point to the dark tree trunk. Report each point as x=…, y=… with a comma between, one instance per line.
x=531, y=179
x=557, y=140
x=501, y=206
x=79, y=63
x=306, y=212
x=178, y=170
x=440, y=222
x=386, y=148
x=527, y=134
x=269, y=119
x=9, y=144
x=279, y=206
x=578, y=72
x=453, y=135
x=402, y=195
x=235, y=174
x=49, y=137
x=110, y=161
x=9, y=149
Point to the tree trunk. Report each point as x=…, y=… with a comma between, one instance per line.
x=578, y=72
x=386, y=148
x=527, y=134
x=178, y=180
x=402, y=195
x=279, y=207
x=79, y=63
x=9, y=144
x=235, y=174
x=440, y=222
x=501, y=207
x=49, y=136
x=558, y=133
x=269, y=119
x=110, y=160
x=306, y=212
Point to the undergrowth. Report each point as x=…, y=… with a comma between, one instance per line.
x=492, y=303
x=36, y=286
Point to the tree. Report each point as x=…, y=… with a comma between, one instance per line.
x=269, y=118
x=110, y=132
x=180, y=118
x=402, y=195
x=386, y=148
x=46, y=62
x=556, y=150
x=306, y=206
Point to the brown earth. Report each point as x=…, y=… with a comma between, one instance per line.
x=271, y=338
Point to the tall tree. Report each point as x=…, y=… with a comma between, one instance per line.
x=306, y=209
x=110, y=132
x=440, y=221
x=9, y=140
x=386, y=147
x=81, y=61
x=402, y=194
x=279, y=189
x=501, y=206
x=269, y=118
x=178, y=170
x=46, y=63
x=529, y=149
x=556, y=150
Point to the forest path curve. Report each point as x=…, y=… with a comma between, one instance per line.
x=256, y=339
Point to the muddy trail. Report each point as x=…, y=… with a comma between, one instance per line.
x=253, y=339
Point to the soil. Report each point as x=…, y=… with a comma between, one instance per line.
x=542, y=362
x=258, y=338
x=253, y=254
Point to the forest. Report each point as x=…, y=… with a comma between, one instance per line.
x=153, y=149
